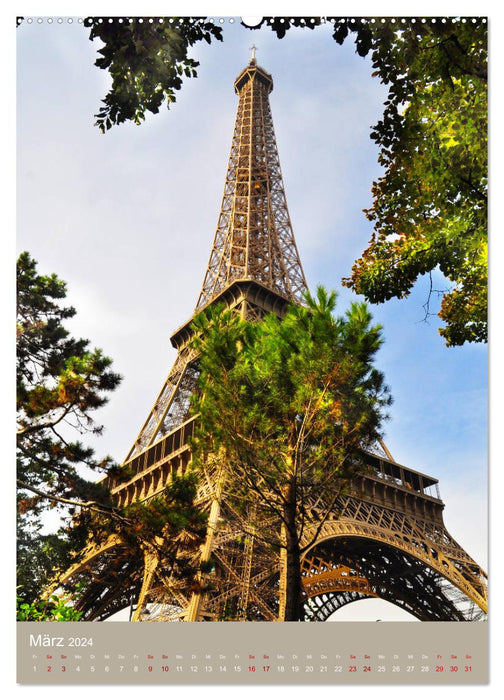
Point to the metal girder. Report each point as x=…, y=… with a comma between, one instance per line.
x=254, y=238
x=341, y=570
x=427, y=542
x=386, y=538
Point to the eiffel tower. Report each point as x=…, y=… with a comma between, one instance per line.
x=388, y=539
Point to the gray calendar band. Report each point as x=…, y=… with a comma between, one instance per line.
x=262, y=653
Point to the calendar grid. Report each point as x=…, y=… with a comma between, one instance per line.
x=252, y=653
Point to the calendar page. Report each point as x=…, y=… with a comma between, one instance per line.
x=235, y=653
x=252, y=350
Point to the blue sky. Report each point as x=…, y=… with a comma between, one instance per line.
x=128, y=218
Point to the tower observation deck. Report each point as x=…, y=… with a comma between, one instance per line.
x=387, y=538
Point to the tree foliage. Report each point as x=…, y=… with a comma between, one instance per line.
x=285, y=408
x=55, y=608
x=40, y=555
x=168, y=528
x=61, y=381
x=430, y=205
x=147, y=60
x=168, y=524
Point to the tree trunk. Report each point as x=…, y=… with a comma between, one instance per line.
x=293, y=606
x=294, y=609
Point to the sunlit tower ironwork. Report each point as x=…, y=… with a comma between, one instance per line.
x=388, y=539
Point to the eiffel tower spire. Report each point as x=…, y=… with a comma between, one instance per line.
x=254, y=263
x=386, y=537
x=254, y=238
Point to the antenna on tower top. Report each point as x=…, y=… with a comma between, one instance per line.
x=253, y=48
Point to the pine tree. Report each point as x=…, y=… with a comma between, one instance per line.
x=285, y=408
x=60, y=382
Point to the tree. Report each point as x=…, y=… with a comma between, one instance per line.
x=147, y=60
x=285, y=408
x=55, y=608
x=430, y=206
x=39, y=556
x=60, y=382
x=164, y=533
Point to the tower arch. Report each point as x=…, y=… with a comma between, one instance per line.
x=386, y=538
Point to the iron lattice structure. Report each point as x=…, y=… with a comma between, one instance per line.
x=386, y=539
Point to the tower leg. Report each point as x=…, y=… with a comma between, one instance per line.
x=151, y=561
x=195, y=606
x=282, y=597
